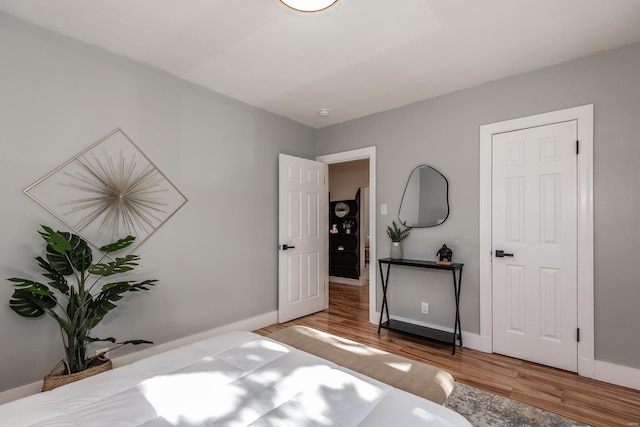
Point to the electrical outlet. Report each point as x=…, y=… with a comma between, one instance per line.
x=104, y=351
x=425, y=308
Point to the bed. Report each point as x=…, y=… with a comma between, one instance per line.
x=235, y=379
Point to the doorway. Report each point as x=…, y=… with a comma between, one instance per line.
x=583, y=117
x=368, y=153
x=348, y=184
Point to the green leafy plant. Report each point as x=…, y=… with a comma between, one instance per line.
x=77, y=307
x=396, y=233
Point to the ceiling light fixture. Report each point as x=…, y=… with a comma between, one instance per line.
x=324, y=112
x=309, y=5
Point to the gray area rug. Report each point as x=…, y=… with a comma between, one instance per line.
x=484, y=409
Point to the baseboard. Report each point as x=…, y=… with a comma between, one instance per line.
x=469, y=339
x=586, y=367
x=20, y=392
x=474, y=341
x=345, y=281
x=243, y=325
x=624, y=376
x=485, y=344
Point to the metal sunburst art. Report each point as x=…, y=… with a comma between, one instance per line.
x=109, y=191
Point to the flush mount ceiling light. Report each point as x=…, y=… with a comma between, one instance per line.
x=309, y=5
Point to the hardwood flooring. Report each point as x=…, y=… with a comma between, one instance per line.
x=582, y=399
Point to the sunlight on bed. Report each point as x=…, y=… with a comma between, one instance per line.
x=427, y=416
x=404, y=367
x=316, y=394
x=191, y=398
x=237, y=379
x=265, y=383
x=443, y=380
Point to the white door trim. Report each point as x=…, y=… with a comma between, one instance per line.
x=359, y=154
x=584, y=117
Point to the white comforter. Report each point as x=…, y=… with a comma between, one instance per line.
x=236, y=379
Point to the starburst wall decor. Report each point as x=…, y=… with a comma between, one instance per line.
x=109, y=191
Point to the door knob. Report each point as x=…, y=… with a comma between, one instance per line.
x=285, y=247
x=502, y=254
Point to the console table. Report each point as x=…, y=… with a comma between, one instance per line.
x=435, y=334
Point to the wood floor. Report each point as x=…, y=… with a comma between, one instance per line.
x=582, y=399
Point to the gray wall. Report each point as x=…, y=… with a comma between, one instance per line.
x=444, y=133
x=57, y=97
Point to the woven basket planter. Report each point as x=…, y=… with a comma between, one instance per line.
x=57, y=379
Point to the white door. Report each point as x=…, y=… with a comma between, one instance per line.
x=302, y=259
x=534, y=222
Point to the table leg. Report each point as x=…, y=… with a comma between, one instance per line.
x=385, y=304
x=457, y=330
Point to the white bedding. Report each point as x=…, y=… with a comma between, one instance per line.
x=236, y=379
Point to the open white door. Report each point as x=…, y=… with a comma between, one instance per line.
x=302, y=232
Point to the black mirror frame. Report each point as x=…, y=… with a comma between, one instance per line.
x=405, y=191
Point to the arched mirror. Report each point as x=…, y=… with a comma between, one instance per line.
x=425, y=202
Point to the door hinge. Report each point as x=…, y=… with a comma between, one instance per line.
x=578, y=334
x=577, y=147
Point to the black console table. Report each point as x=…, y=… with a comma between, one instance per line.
x=435, y=334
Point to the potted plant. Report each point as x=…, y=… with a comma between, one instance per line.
x=80, y=303
x=397, y=234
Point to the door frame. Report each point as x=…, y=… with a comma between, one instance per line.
x=584, y=117
x=348, y=156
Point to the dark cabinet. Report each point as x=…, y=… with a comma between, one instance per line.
x=344, y=238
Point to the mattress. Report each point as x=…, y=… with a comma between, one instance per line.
x=235, y=379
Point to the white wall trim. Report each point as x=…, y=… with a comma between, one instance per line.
x=469, y=339
x=584, y=117
x=360, y=154
x=617, y=374
x=20, y=392
x=486, y=344
x=345, y=281
x=250, y=324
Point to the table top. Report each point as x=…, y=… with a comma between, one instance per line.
x=421, y=263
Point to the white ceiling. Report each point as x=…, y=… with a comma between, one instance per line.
x=357, y=58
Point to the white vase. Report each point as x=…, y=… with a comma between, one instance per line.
x=396, y=250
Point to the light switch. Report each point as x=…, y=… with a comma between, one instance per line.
x=383, y=209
